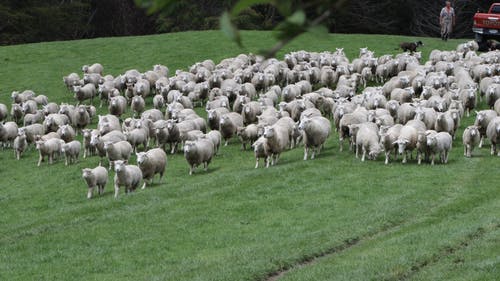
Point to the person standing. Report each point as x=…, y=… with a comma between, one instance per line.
x=447, y=20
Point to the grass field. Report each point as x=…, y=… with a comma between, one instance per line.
x=333, y=218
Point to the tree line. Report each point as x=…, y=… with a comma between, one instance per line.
x=30, y=21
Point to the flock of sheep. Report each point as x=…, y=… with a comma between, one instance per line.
x=271, y=105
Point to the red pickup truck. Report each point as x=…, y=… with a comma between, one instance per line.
x=487, y=25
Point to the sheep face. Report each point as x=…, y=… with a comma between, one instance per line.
x=119, y=165
x=268, y=132
x=142, y=157
x=431, y=141
x=401, y=143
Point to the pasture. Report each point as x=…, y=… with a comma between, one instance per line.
x=332, y=218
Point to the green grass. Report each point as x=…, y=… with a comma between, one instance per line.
x=395, y=222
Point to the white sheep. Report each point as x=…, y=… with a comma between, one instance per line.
x=367, y=140
x=278, y=139
x=229, y=124
x=117, y=105
x=439, y=143
x=129, y=176
x=71, y=151
x=198, y=152
x=387, y=139
x=216, y=137
x=316, y=130
x=470, y=138
x=493, y=134
x=95, y=177
x=86, y=92
x=94, y=68
x=20, y=143
x=152, y=162
x=137, y=105
x=8, y=132
x=50, y=148
x=247, y=134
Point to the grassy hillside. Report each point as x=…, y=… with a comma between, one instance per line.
x=366, y=221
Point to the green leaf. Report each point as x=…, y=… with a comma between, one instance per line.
x=244, y=4
x=318, y=30
x=228, y=28
x=298, y=18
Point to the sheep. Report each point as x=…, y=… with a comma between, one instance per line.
x=213, y=117
x=470, y=139
x=16, y=113
x=198, y=152
x=98, y=141
x=402, y=95
x=71, y=151
x=94, y=68
x=214, y=136
x=387, y=139
x=496, y=106
x=81, y=118
x=82, y=93
x=32, y=118
x=328, y=77
x=152, y=162
x=88, y=149
x=41, y=100
x=71, y=80
x=493, y=134
x=278, y=139
x=50, y=108
x=492, y=94
x=152, y=114
x=29, y=106
x=221, y=101
x=22, y=97
x=117, y=105
x=228, y=125
x=251, y=111
x=483, y=118
x=129, y=176
x=4, y=112
x=426, y=115
x=367, y=140
x=8, y=132
x=137, y=137
x=355, y=117
x=441, y=144
x=95, y=177
x=158, y=102
x=261, y=150
x=137, y=105
x=407, y=140
x=66, y=132
x=422, y=147
x=406, y=112
x=120, y=150
x=20, y=143
x=247, y=134
x=480, y=71
x=316, y=131
x=50, y=147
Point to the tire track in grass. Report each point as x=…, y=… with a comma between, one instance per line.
x=383, y=231
x=447, y=251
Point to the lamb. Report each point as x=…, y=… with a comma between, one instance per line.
x=198, y=152
x=71, y=151
x=468, y=99
x=50, y=108
x=95, y=177
x=152, y=162
x=441, y=144
x=41, y=100
x=29, y=106
x=247, y=134
x=117, y=105
x=278, y=139
x=49, y=148
x=229, y=123
x=493, y=134
x=129, y=176
x=137, y=105
x=88, y=149
x=20, y=144
x=316, y=131
x=367, y=140
x=66, y=132
x=422, y=147
x=86, y=92
x=94, y=68
x=483, y=118
x=8, y=132
x=470, y=139
x=22, y=97
x=214, y=136
x=261, y=150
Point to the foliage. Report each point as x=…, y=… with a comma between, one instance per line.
x=236, y=222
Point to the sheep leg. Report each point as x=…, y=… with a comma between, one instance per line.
x=117, y=189
x=66, y=161
x=267, y=161
x=404, y=158
x=191, y=168
x=40, y=159
x=364, y=153
x=313, y=153
x=419, y=157
x=432, y=158
x=465, y=151
x=493, y=148
x=205, y=166
x=89, y=192
x=341, y=144
x=144, y=184
x=257, y=162
x=305, y=152
x=481, y=142
x=51, y=158
x=387, y=155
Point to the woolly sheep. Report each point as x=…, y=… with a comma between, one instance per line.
x=8, y=132
x=4, y=112
x=20, y=144
x=88, y=149
x=198, y=152
x=152, y=114
x=50, y=148
x=278, y=139
x=422, y=147
x=216, y=137
x=95, y=177
x=426, y=115
x=406, y=112
x=158, y=102
x=483, y=118
x=367, y=140
x=94, y=68
x=441, y=144
x=98, y=141
x=86, y=92
x=228, y=125
x=213, y=117
x=316, y=131
x=137, y=137
x=32, y=118
x=387, y=139
x=492, y=94
x=470, y=139
x=137, y=105
x=108, y=123
x=71, y=151
x=66, y=132
x=71, y=80
x=129, y=176
x=247, y=134
x=81, y=118
x=117, y=105
x=152, y=162
x=493, y=134
x=261, y=150
x=407, y=139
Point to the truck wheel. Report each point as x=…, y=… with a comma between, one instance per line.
x=481, y=42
